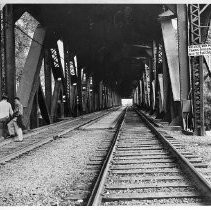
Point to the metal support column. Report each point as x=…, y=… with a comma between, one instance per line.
x=166, y=88
x=154, y=69
x=197, y=71
x=67, y=78
x=48, y=80
x=1, y=47
x=182, y=29
x=79, y=88
x=34, y=122
x=10, y=52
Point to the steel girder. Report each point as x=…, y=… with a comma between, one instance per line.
x=9, y=38
x=30, y=80
x=195, y=11
x=48, y=79
x=1, y=52
x=57, y=100
x=171, y=49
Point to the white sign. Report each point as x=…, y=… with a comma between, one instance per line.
x=200, y=49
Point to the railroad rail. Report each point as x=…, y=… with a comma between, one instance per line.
x=10, y=150
x=143, y=167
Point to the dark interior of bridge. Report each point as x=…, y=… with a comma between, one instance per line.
x=110, y=41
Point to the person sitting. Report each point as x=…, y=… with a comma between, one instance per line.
x=15, y=125
x=5, y=113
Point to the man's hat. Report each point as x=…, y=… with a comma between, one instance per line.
x=16, y=97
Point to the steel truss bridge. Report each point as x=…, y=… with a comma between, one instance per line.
x=134, y=51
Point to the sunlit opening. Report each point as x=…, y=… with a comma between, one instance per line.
x=127, y=102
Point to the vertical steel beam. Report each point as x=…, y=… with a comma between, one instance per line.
x=10, y=52
x=166, y=84
x=72, y=87
x=154, y=69
x=182, y=26
x=67, y=58
x=1, y=47
x=197, y=71
x=34, y=123
x=100, y=95
x=48, y=80
x=79, y=88
x=55, y=99
x=182, y=32
x=43, y=105
x=150, y=61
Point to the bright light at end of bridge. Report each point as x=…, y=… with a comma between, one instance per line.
x=127, y=102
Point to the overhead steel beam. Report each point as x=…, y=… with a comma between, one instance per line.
x=172, y=7
x=142, y=46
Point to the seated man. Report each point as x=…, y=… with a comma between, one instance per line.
x=5, y=113
x=15, y=125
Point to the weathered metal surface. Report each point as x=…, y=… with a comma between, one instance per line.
x=42, y=101
x=34, y=121
x=161, y=98
x=182, y=31
x=30, y=78
x=171, y=48
x=197, y=71
x=1, y=50
x=10, y=53
x=55, y=98
x=165, y=81
x=48, y=80
x=57, y=66
x=172, y=7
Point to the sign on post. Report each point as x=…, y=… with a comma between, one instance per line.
x=200, y=49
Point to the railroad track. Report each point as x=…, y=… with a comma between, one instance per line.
x=142, y=167
x=10, y=150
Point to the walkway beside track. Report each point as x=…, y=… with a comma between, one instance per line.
x=50, y=174
x=11, y=148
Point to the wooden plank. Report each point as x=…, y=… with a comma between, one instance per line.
x=142, y=161
x=139, y=166
x=139, y=148
x=141, y=186
x=143, y=196
x=137, y=158
x=148, y=178
x=140, y=171
x=134, y=154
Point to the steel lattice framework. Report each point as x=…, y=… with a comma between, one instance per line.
x=195, y=11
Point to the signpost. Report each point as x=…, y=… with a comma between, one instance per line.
x=200, y=49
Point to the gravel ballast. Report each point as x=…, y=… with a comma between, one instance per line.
x=198, y=145
x=44, y=176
